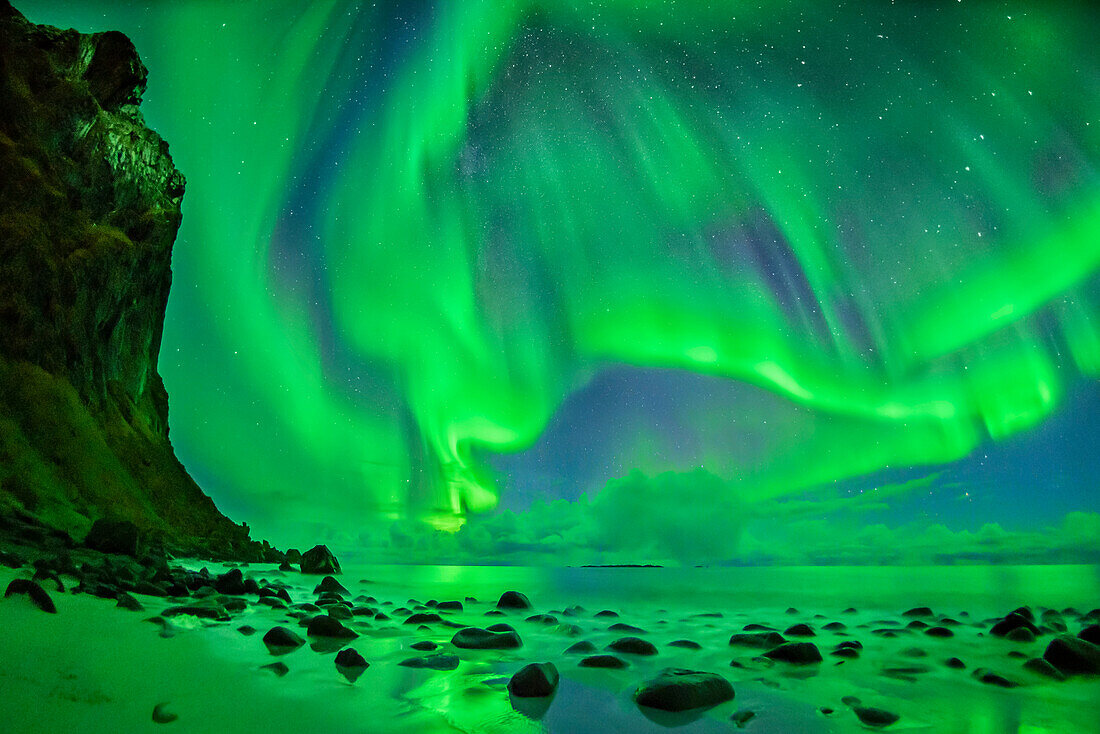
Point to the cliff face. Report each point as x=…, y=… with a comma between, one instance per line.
x=89, y=209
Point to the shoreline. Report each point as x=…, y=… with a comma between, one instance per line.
x=91, y=662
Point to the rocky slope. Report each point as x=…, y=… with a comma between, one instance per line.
x=89, y=208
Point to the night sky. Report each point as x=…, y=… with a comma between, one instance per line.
x=682, y=281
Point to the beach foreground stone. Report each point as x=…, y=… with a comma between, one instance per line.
x=319, y=560
x=1073, y=656
x=280, y=640
x=513, y=600
x=350, y=664
x=796, y=652
x=475, y=638
x=32, y=591
x=678, y=689
x=877, y=718
x=534, y=681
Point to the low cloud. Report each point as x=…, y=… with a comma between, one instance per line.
x=688, y=518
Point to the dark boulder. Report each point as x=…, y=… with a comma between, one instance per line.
x=800, y=653
x=1090, y=634
x=761, y=640
x=113, y=536
x=161, y=714
x=324, y=625
x=474, y=638
x=686, y=644
x=128, y=602
x=1013, y=621
x=991, y=678
x=1042, y=667
x=918, y=612
x=534, y=681
x=676, y=689
x=874, y=717
x=34, y=592
x=1073, y=656
x=319, y=560
x=799, y=630
x=424, y=645
x=584, y=647
x=231, y=582
x=633, y=645
x=423, y=618
x=350, y=664
x=742, y=717
x=279, y=668
x=603, y=661
x=513, y=600
x=280, y=640
x=331, y=585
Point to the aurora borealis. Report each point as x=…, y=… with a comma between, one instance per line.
x=795, y=253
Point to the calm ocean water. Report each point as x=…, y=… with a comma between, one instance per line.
x=981, y=590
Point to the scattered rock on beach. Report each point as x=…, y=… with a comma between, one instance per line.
x=513, y=600
x=918, y=612
x=583, y=647
x=603, y=661
x=1013, y=621
x=686, y=644
x=1090, y=634
x=1073, y=656
x=1020, y=634
x=162, y=715
x=742, y=717
x=1042, y=667
x=761, y=640
x=474, y=638
x=633, y=645
x=536, y=680
x=331, y=585
x=280, y=640
x=32, y=591
x=677, y=689
x=799, y=630
x=350, y=664
x=324, y=625
x=128, y=602
x=800, y=653
x=319, y=560
x=993, y=679
x=877, y=718
x=279, y=669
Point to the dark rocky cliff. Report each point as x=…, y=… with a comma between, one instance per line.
x=89, y=208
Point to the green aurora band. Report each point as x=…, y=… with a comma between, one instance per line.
x=413, y=230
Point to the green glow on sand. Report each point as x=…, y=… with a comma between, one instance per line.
x=385, y=274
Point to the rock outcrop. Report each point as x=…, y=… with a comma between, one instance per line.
x=89, y=208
